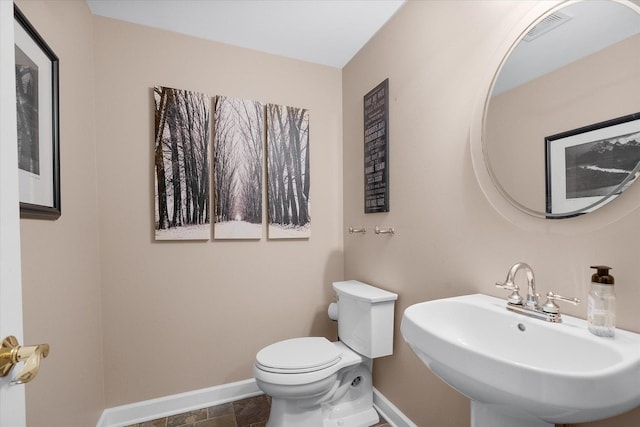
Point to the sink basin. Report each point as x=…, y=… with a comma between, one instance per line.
x=520, y=371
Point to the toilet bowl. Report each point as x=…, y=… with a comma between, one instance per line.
x=317, y=383
x=314, y=382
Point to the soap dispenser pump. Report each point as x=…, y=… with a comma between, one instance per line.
x=601, y=308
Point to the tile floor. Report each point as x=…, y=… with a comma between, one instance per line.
x=251, y=412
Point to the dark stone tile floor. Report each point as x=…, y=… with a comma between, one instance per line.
x=251, y=412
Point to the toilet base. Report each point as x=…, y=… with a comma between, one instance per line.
x=348, y=404
x=286, y=413
x=365, y=418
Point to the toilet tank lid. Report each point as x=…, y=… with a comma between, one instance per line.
x=364, y=292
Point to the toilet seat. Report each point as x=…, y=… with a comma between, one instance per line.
x=298, y=355
x=276, y=376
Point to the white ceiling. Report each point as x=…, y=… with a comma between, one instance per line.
x=327, y=32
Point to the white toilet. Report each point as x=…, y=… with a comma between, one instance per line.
x=317, y=383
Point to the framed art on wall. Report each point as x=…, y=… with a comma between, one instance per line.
x=237, y=166
x=181, y=162
x=589, y=166
x=37, y=106
x=288, y=174
x=376, y=149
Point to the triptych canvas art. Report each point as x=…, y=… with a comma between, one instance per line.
x=209, y=167
x=237, y=168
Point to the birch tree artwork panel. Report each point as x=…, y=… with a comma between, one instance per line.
x=289, y=206
x=182, y=172
x=237, y=164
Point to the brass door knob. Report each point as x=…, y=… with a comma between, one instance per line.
x=11, y=353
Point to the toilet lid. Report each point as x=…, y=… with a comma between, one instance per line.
x=298, y=355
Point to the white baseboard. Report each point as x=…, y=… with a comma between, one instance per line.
x=147, y=410
x=389, y=411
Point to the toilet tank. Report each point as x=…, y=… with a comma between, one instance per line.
x=365, y=318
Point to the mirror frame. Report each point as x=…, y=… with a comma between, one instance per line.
x=509, y=208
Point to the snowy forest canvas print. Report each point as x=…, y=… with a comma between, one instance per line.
x=237, y=165
x=182, y=174
x=288, y=172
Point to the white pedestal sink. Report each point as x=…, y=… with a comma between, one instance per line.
x=524, y=372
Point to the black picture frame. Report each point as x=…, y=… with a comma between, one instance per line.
x=590, y=166
x=376, y=149
x=37, y=104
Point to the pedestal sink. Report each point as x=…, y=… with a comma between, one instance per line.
x=524, y=372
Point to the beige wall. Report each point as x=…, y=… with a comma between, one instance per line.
x=449, y=241
x=585, y=92
x=183, y=316
x=60, y=259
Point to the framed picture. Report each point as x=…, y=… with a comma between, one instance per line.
x=181, y=162
x=237, y=165
x=589, y=166
x=376, y=149
x=38, y=122
x=288, y=173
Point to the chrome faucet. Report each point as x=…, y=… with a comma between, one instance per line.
x=530, y=306
x=509, y=284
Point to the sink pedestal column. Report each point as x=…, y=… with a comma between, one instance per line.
x=487, y=415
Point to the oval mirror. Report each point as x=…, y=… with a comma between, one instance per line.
x=561, y=128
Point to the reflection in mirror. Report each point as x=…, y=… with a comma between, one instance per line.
x=570, y=85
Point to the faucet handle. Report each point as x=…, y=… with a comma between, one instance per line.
x=515, y=297
x=551, y=307
x=510, y=286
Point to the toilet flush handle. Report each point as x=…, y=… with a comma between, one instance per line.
x=332, y=311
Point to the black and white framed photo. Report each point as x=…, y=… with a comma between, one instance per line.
x=237, y=165
x=592, y=165
x=182, y=148
x=38, y=122
x=288, y=173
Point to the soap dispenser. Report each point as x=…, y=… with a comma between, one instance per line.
x=601, y=308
